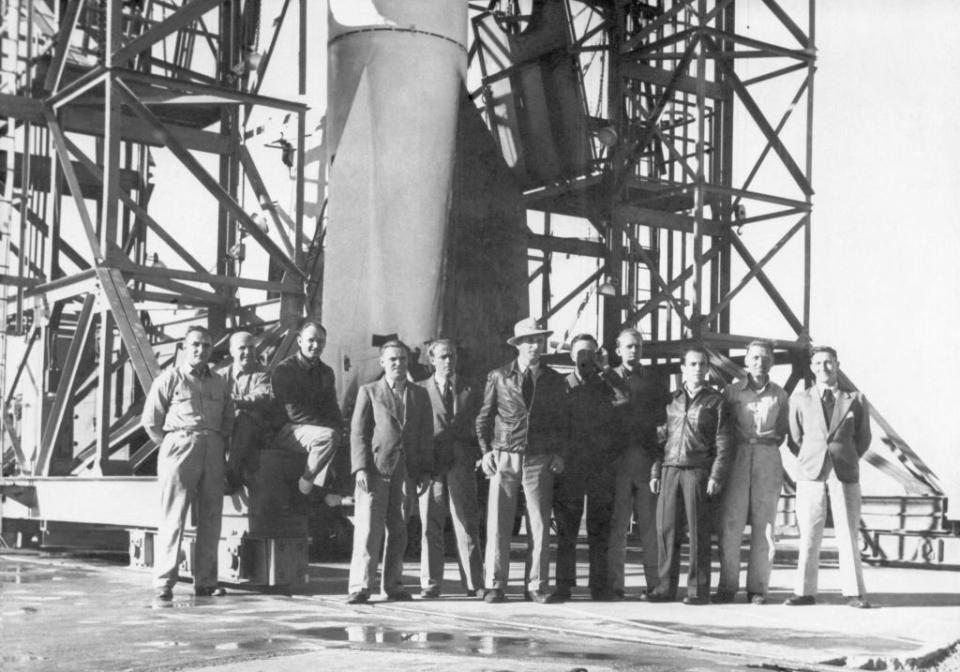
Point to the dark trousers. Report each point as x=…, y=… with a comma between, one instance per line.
x=683, y=494
x=248, y=438
x=595, y=482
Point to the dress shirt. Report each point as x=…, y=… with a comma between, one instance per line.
x=823, y=388
x=180, y=399
x=761, y=414
x=399, y=387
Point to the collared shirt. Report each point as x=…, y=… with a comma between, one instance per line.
x=399, y=388
x=252, y=393
x=761, y=415
x=179, y=399
x=823, y=388
x=445, y=384
x=251, y=390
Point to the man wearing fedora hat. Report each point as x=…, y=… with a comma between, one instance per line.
x=522, y=428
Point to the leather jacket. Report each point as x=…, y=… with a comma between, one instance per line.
x=505, y=422
x=699, y=434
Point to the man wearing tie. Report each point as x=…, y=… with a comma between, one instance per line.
x=454, y=484
x=829, y=433
x=391, y=450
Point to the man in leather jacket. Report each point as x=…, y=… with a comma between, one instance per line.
x=522, y=428
x=689, y=478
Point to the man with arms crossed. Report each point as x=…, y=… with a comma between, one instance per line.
x=522, y=430
x=693, y=468
x=759, y=407
x=454, y=484
x=391, y=451
x=829, y=433
x=304, y=387
x=189, y=415
x=256, y=412
x=639, y=408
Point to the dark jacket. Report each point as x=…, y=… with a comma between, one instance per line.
x=379, y=436
x=505, y=423
x=699, y=434
x=640, y=406
x=452, y=434
x=591, y=417
x=306, y=391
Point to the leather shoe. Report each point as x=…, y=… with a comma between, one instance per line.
x=429, y=594
x=562, y=594
x=696, y=600
x=165, y=594
x=209, y=591
x=399, y=596
x=654, y=596
x=495, y=596
x=857, y=602
x=722, y=598
x=756, y=598
x=473, y=593
x=540, y=597
x=359, y=597
x=799, y=600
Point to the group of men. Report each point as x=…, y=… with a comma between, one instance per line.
x=610, y=438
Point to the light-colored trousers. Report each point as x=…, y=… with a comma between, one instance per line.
x=532, y=472
x=190, y=472
x=318, y=442
x=811, y=506
x=383, y=510
x=632, y=497
x=456, y=492
x=750, y=494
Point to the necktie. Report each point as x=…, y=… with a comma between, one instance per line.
x=401, y=409
x=527, y=387
x=828, y=401
x=448, y=399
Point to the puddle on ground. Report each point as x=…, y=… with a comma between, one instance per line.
x=30, y=573
x=806, y=640
x=452, y=642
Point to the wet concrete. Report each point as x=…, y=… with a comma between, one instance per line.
x=58, y=612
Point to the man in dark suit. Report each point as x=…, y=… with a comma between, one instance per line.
x=391, y=449
x=454, y=484
x=588, y=473
x=829, y=433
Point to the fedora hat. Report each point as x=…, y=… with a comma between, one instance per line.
x=527, y=327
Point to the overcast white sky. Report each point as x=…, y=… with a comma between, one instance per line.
x=885, y=281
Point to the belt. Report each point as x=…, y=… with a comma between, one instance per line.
x=195, y=432
x=754, y=441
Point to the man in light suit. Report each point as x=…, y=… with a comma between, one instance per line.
x=454, y=484
x=829, y=433
x=391, y=449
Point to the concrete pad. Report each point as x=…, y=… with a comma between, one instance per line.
x=62, y=612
